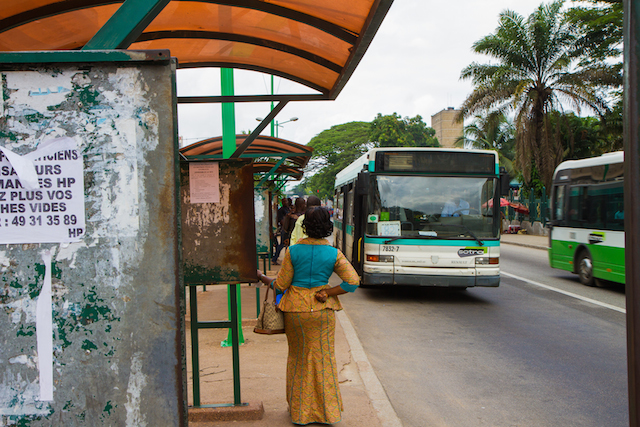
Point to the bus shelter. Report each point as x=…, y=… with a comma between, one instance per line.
x=317, y=44
x=93, y=82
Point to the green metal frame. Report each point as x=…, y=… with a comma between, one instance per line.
x=233, y=325
x=84, y=56
x=126, y=25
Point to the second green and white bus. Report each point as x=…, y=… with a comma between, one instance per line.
x=421, y=216
x=586, y=233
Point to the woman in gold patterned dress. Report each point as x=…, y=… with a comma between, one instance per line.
x=309, y=305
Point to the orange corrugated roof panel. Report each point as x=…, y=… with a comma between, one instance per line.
x=316, y=43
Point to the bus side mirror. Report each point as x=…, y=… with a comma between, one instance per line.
x=505, y=179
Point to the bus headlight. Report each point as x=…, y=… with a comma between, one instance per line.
x=380, y=258
x=488, y=260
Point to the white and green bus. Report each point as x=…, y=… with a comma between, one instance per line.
x=586, y=233
x=421, y=216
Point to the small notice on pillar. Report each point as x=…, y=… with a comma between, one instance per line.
x=204, y=182
x=42, y=194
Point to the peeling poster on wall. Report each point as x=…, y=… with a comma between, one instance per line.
x=42, y=194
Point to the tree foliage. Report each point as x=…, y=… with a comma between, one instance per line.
x=537, y=72
x=394, y=131
x=491, y=132
x=600, y=24
x=333, y=149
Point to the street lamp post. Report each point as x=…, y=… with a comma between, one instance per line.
x=276, y=125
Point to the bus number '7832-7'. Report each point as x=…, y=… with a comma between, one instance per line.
x=390, y=248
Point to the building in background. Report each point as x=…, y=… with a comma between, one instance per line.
x=447, y=129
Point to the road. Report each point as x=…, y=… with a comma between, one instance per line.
x=518, y=355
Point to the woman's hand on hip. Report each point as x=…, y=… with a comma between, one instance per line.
x=321, y=295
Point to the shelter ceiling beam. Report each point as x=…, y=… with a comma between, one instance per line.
x=51, y=10
x=303, y=18
x=271, y=172
x=263, y=124
x=126, y=25
x=250, y=98
x=254, y=41
x=72, y=5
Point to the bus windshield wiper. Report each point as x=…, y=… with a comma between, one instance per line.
x=471, y=233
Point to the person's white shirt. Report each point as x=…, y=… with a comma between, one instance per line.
x=455, y=207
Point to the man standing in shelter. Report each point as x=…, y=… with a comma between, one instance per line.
x=298, y=233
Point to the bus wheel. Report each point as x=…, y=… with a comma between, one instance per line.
x=585, y=269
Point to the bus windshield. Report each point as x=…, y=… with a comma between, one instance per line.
x=432, y=207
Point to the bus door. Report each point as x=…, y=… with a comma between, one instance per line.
x=347, y=242
x=340, y=218
x=359, y=220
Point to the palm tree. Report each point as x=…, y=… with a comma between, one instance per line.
x=535, y=75
x=491, y=132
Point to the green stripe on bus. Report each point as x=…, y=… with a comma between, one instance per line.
x=427, y=242
x=608, y=262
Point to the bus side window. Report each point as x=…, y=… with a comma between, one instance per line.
x=348, y=214
x=558, y=204
x=576, y=201
x=615, y=209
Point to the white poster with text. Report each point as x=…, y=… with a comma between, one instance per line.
x=42, y=194
x=204, y=182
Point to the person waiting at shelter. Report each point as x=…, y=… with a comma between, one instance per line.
x=309, y=306
x=455, y=207
x=280, y=215
x=298, y=232
x=288, y=222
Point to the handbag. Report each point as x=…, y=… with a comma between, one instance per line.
x=271, y=319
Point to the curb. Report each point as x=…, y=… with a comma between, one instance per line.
x=526, y=245
x=251, y=411
x=378, y=397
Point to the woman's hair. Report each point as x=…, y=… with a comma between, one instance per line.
x=317, y=222
x=300, y=205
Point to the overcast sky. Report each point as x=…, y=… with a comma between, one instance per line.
x=412, y=67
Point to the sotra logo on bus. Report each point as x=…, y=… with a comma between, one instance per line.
x=596, y=237
x=472, y=251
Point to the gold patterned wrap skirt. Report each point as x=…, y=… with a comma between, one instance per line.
x=313, y=392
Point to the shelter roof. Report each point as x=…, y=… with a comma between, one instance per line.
x=291, y=157
x=315, y=43
x=267, y=169
x=261, y=147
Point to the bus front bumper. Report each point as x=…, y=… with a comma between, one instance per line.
x=458, y=281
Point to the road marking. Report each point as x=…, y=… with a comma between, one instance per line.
x=570, y=294
x=375, y=391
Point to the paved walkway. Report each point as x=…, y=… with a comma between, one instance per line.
x=263, y=363
x=263, y=368
x=537, y=242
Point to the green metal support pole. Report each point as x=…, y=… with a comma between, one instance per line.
x=234, y=300
x=272, y=122
x=195, y=361
x=236, y=318
x=228, y=114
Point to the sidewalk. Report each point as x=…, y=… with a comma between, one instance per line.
x=527, y=240
x=263, y=367
x=263, y=361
